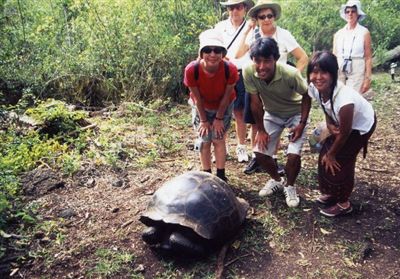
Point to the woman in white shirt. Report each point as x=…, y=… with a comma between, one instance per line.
x=352, y=46
x=351, y=121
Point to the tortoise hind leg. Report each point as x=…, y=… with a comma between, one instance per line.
x=152, y=235
x=180, y=244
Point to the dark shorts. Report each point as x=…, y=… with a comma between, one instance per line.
x=211, y=114
x=240, y=93
x=248, y=115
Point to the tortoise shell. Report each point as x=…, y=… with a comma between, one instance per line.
x=199, y=201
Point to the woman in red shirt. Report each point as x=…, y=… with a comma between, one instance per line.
x=211, y=81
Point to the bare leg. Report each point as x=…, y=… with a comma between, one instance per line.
x=220, y=153
x=253, y=131
x=293, y=165
x=268, y=163
x=240, y=126
x=205, y=156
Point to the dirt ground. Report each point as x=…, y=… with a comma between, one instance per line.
x=98, y=210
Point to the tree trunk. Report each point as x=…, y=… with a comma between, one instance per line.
x=389, y=55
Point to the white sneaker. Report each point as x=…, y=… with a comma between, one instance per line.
x=242, y=153
x=292, y=199
x=272, y=186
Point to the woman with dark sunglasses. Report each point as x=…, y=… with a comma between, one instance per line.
x=264, y=14
x=352, y=46
x=351, y=121
x=211, y=81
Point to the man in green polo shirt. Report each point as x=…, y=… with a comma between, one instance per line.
x=279, y=100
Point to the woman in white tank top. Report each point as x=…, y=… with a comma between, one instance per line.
x=352, y=47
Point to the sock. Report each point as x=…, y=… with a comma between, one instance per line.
x=221, y=174
x=209, y=170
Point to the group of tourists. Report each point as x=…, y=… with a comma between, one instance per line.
x=243, y=71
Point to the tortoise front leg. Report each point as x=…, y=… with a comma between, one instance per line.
x=180, y=244
x=152, y=235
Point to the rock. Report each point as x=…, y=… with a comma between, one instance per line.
x=117, y=183
x=39, y=182
x=139, y=269
x=90, y=183
x=39, y=235
x=67, y=213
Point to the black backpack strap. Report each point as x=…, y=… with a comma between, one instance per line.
x=196, y=70
x=257, y=34
x=226, y=68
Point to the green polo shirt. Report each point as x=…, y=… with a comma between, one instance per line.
x=282, y=96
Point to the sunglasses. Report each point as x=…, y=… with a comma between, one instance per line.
x=263, y=17
x=238, y=7
x=216, y=50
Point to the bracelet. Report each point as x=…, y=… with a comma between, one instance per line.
x=203, y=121
x=216, y=118
x=369, y=78
x=303, y=122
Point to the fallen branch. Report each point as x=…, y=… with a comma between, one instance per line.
x=313, y=238
x=220, y=261
x=143, y=107
x=377, y=170
x=42, y=163
x=89, y=127
x=127, y=223
x=236, y=259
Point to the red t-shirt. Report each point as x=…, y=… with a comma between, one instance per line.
x=211, y=86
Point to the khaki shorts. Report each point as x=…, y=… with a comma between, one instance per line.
x=274, y=126
x=356, y=78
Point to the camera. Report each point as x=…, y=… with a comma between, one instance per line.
x=197, y=145
x=347, y=66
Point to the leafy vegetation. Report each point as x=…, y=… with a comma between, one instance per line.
x=110, y=262
x=99, y=51
x=95, y=51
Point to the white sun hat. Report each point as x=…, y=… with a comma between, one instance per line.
x=211, y=37
x=352, y=3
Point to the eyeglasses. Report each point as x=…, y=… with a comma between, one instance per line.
x=238, y=7
x=216, y=50
x=351, y=11
x=263, y=17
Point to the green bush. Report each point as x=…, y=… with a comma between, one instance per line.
x=95, y=51
x=313, y=23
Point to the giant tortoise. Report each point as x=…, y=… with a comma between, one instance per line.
x=192, y=214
